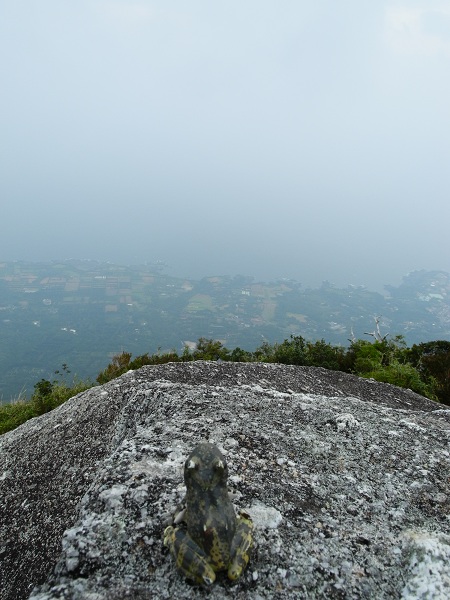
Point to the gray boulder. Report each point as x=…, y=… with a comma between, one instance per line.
x=347, y=481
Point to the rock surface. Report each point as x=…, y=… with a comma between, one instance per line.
x=347, y=481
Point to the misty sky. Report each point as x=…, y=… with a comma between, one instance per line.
x=301, y=139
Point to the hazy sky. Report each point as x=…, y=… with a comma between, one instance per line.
x=290, y=138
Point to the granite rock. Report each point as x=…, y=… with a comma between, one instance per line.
x=347, y=481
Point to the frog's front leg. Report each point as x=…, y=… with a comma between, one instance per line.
x=190, y=559
x=241, y=546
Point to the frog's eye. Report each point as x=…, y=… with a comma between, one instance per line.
x=191, y=464
x=219, y=465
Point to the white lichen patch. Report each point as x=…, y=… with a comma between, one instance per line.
x=265, y=517
x=412, y=426
x=113, y=497
x=346, y=421
x=428, y=575
x=154, y=468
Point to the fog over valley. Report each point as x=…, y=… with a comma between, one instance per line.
x=300, y=140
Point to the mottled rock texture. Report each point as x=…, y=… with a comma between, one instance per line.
x=347, y=481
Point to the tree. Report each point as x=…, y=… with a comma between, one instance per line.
x=432, y=360
x=322, y=354
x=292, y=351
x=119, y=365
x=208, y=349
x=386, y=360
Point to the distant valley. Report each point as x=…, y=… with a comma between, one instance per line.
x=81, y=313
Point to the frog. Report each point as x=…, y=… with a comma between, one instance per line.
x=212, y=538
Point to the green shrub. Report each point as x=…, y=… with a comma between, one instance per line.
x=322, y=354
x=239, y=355
x=404, y=376
x=207, y=349
x=432, y=360
x=47, y=396
x=120, y=364
x=14, y=414
x=425, y=368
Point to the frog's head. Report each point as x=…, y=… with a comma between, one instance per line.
x=205, y=467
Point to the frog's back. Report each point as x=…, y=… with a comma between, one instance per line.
x=210, y=516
